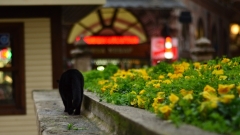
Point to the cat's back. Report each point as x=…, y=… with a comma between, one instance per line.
x=71, y=74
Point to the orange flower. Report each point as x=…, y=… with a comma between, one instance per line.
x=224, y=89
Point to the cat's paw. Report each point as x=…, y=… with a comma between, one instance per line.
x=77, y=113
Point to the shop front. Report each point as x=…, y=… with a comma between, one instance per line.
x=123, y=51
x=122, y=34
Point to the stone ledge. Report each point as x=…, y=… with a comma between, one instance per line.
x=52, y=120
x=108, y=118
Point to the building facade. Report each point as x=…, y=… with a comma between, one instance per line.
x=144, y=19
x=212, y=20
x=31, y=56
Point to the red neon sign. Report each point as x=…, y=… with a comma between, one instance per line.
x=111, y=40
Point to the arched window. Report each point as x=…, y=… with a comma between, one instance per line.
x=200, y=29
x=108, y=21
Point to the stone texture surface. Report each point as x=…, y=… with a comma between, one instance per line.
x=102, y=118
x=53, y=121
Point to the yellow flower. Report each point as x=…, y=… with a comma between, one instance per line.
x=197, y=65
x=175, y=76
x=158, y=99
x=208, y=105
x=166, y=110
x=173, y=98
x=209, y=96
x=161, y=94
x=226, y=98
x=188, y=97
x=185, y=92
x=218, y=72
x=167, y=81
x=222, y=77
x=178, y=69
x=103, y=88
x=185, y=65
x=114, y=88
x=224, y=89
x=101, y=82
x=134, y=102
x=133, y=92
x=238, y=89
x=156, y=85
x=169, y=74
x=161, y=77
x=214, y=103
x=225, y=60
x=235, y=64
x=217, y=66
x=141, y=92
x=155, y=106
x=209, y=89
x=141, y=102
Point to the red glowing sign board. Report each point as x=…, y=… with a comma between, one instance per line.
x=158, y=48
x=111, y=40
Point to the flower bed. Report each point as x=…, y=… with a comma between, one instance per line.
x=204, y=95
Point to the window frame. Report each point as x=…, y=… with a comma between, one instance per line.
x=16, y=31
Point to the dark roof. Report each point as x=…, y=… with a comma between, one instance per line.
x=161, y=4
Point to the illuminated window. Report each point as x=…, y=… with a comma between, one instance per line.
x=12, y=80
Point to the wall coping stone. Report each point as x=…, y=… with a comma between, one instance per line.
x=102, y=118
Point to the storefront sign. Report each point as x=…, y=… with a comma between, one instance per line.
x=111, y=40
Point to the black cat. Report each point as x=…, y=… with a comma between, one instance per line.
x=71, y=86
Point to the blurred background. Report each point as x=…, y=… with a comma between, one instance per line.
x=41, y=39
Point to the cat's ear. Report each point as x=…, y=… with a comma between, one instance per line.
x=58, y=81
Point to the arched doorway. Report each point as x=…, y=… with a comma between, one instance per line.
x=108, y=21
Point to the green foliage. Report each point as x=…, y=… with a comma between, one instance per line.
x=205, y=95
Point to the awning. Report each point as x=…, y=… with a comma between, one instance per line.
x=161, y=4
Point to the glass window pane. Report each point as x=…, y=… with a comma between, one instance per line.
x=5, y=50
x=6, y=90
x=5, y=57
